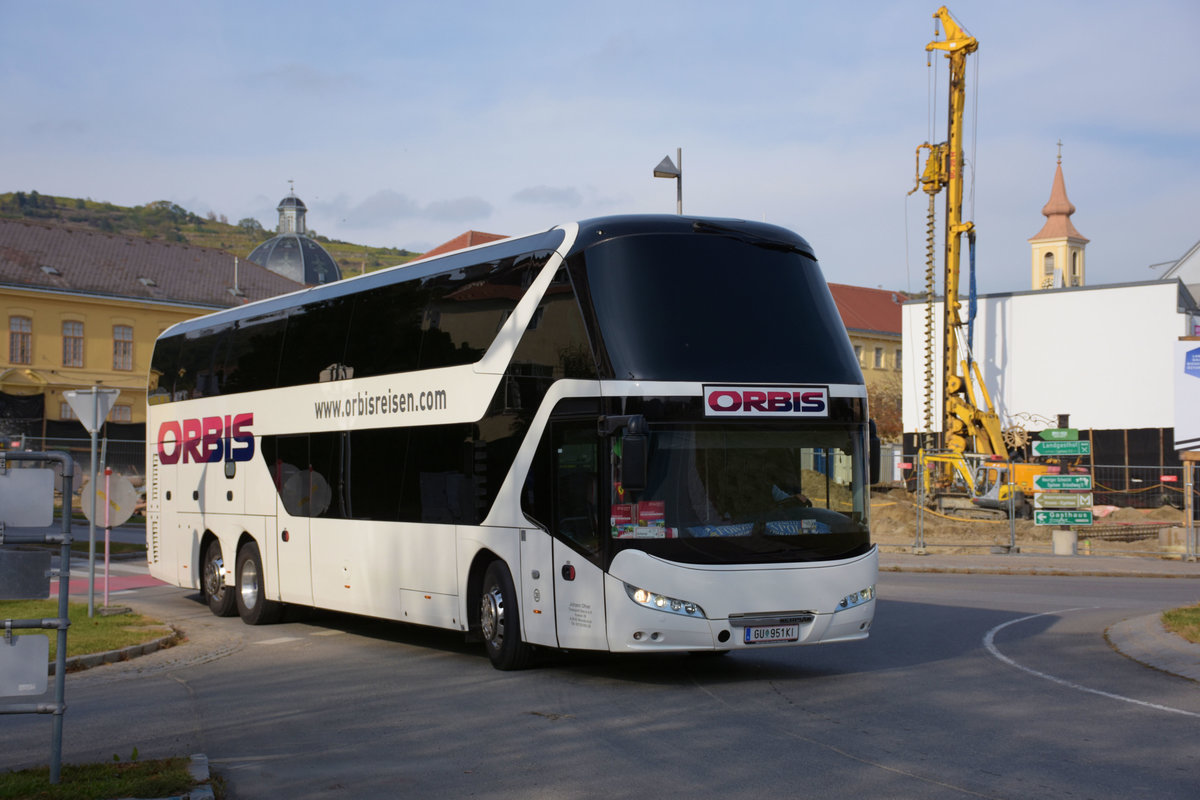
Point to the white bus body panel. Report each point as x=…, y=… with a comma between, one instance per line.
x=724, y=590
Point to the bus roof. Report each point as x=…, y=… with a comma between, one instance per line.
x=591, y=231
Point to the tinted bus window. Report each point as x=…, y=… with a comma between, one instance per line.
x=252, y=360
x=314, y=343
x=385, y=330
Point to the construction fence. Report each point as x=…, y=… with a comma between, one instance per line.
x=1137, y=510
x=126, y=457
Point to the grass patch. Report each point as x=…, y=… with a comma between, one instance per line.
x=157, y=778
x=1184, y=621
x=96, y=635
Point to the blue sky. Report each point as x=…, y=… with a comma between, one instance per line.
x=406, y=123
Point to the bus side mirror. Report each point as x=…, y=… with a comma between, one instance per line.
x=876, y=455
x=635, y=447
x=634, y=461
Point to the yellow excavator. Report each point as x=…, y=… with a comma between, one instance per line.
x=969, y=469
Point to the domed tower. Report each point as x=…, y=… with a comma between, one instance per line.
x=291, y=252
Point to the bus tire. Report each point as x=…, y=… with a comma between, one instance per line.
x=499, y=620
x=252, y=605
x=220, y=597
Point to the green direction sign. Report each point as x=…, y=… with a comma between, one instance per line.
x=1062, y=500
x=1060, y=434
x=1063, y=482
x=1064, y=517
x=1063, y=448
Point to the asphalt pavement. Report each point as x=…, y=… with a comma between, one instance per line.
x=1142, y=638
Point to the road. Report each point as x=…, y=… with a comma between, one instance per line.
x=970, y=686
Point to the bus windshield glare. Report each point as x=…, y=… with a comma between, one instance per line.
x=730, y=494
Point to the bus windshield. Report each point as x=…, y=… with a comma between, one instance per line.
x=704, y=307
x=738, y=494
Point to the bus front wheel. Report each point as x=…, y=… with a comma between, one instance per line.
x=218, y=594
x=498, y=619
x=252, y=604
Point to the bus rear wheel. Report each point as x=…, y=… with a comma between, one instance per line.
x=212, y=582
x=252, y=604
x=499, y=620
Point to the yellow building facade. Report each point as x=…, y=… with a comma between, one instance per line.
x=60, y=342
x=83, y=308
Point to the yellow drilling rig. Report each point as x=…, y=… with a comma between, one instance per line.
x=969, y=469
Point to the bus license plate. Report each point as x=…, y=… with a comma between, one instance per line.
x=772, y=633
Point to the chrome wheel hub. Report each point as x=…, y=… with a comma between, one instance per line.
x=248, y=584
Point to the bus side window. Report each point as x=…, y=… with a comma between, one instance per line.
x=576, y=485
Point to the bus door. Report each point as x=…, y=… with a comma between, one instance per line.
x=578, y=536
x=294, y=483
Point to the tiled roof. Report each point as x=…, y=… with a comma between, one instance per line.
x=65, y=258
x=864, y=309
x=463, y=241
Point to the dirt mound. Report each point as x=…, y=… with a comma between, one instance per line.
x=894, y=522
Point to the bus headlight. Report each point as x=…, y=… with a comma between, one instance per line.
x=855, y=599
x=661, y=602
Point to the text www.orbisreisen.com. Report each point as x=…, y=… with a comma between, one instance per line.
x=365, y=404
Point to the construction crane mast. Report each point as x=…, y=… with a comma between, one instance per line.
x=969, y=421
x=968, y=468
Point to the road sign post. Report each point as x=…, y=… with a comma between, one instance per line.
x=118, y=498
x=1063, y=499
x=1059, y=500
x=1055, y=449
x=91, y=406
x=1079, y=516
x=1047, y=482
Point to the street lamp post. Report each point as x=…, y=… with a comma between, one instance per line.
x=666, y=169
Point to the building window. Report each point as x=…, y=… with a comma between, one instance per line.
x=858, y=353
x=20, y=340
x=899, y=358
x=122, y=414
x=878, y=358
x=122, y=347
x=65, y=411
x=72, y=333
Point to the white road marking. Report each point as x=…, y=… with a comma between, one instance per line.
x=280, y=640
x=990, y=643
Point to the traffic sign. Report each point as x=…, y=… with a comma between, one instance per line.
x=1062, y=482
x=1062, y=500
x=1060, y=434
x=1062, y=448
x=115, y=498
x=91, y=405
x=1063, y=517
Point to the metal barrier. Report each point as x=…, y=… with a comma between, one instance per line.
x=1145, y=488
x=27, y=575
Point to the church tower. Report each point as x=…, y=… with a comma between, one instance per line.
x=1058, y=258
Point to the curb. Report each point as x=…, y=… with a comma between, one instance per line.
x=1147, y=641
x=1055, y=572
x=89, y=660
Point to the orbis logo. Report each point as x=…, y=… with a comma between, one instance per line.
x=207, y=440
x=766, y=401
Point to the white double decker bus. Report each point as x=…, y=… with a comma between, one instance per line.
x=629, y=434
